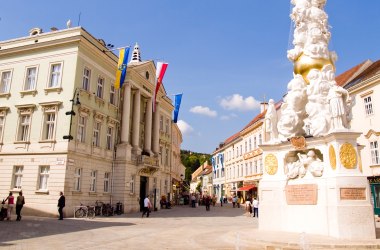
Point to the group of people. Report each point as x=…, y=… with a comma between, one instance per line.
x=10, y=200
x=252, y=207
x=20, y=202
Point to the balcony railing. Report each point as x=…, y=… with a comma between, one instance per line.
x=145, y=160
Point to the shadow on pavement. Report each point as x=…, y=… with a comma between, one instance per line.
x=34, y=227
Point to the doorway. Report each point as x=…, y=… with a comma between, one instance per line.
x=143, y=191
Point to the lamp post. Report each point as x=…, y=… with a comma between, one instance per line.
x=71, y=113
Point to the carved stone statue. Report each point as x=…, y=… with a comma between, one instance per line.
x=306, y=162
x=271, y=122
x=338, y=97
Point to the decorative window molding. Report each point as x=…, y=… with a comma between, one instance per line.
x=5, y=82
x=24, y=122
x=366, y=93
x=30, y=81
x=370, y=133
x=49, y=122
x=86, y=80
x=54, y=83
x=3, y=114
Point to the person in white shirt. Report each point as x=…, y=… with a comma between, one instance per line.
x=255, y=204
x=147, y=207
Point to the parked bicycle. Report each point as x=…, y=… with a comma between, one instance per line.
x=85, y=211
x=107, y=210
x=98, y=208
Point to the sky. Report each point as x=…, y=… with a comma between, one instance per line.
x=224, y=56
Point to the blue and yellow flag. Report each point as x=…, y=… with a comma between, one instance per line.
x=121, y=71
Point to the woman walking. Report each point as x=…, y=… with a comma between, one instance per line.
x=11, y=203
x=19, y=204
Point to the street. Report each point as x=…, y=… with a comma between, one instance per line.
x=181, y=227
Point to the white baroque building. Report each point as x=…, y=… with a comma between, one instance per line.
x=64, y=127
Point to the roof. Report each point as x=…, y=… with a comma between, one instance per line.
x=348, y=75
x=369, y=72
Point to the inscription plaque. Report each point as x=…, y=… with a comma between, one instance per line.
x=305, y=194
x=352, y=194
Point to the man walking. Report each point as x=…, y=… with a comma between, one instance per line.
x=61, y=205
x=147, y=206
x=255, y=204
x=19, y=204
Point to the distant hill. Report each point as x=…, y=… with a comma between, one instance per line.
x=192, y=161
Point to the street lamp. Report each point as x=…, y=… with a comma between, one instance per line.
x=71, y=113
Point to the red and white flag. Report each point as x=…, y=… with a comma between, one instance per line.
x=160, y=72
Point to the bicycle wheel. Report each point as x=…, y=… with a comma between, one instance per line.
x=91, y=213
x=79, y=213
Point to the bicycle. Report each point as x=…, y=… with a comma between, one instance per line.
x=85, y=211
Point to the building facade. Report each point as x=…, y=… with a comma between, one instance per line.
x=64, y=127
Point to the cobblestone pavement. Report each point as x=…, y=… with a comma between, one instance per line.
x=181, y=227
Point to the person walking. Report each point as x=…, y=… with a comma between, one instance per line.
x=19, y=204
x=11, y=203
x=207, y=202
x=147, y=207
x=61, y=205
x=192, y=200
x=221, y=201
x=234, y=199
x=248, y=207
x=255, y=204
x=238, y=201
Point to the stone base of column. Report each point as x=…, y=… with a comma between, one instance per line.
x=123, y=152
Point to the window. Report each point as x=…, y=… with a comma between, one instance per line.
x=99, y=88
x=17, y=177
x=77, y=179
x=106, y=182
x=109, y=139
x=261, y=165
x=44, y=176
x=374, y=153
x=86, y=79
x=2, y=121
x=93, y=181
x=254, y=142
x=246, y=169
x=250, y=144
x=23, y=129
x=49, y=126
x=96, y=137
x=132, y=184
x=30, y=79
x=241, y=150
x=82, y=128
x=167, y=126
x=161, y=152
x=161, y=123
x=55, y=75
x=167, y=157
x=368, y=105
x=5, y=82
x=250, y=168
x=113, y=95
x=245, y=147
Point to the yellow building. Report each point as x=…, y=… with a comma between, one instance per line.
x=64, y=128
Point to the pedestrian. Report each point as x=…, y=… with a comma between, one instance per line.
x=147, y=207
x=207, y=201
x=221, y=201
x=61, y=205
x=19, y=204
x=238, y=201
x=234, y=199
x=255, y=204
x=11, y=203
x=213, y=200
x=192, y=200
x=248, y=207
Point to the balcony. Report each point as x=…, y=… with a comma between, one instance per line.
x=146, y=164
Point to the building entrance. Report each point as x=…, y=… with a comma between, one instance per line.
x=143, y=191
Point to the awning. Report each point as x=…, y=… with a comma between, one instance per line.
x=246, y=188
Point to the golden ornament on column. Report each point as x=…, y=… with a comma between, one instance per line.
x=271, y=164
x=305, y=63
x=332, y=157
x=347, y=156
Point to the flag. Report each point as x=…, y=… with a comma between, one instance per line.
x=121, y=71
x=177, y=104
x=160, y=72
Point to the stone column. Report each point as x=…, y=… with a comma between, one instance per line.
x=125, y=126
x=156, y=130
x=136, y=120
x=148, y=126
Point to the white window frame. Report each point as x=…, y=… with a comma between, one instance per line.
x=93, y=175
x=113, y=95
x=82, y=123
x=2, y=124
x=368, y=107
x=109, y=138
x=107, y=179
x=100, y=87
x=86, y=79
x=30, y=83
x=5, y=83
x=17, y=177
x=49, y=126
x=96, y=133
x=43, y=178
x=77, y=179
x=24, y=127
x=55, y=76
x=374, y=147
